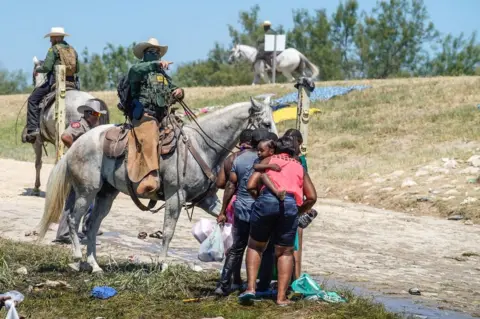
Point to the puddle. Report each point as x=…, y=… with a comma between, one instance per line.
x=407, y=306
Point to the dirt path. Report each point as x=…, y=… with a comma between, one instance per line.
x=381, y=250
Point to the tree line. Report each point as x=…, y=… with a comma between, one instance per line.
x=395, y=39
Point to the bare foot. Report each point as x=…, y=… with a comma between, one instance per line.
x=281, y=195
x=283, y=303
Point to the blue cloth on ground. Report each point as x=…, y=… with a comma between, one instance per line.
x=318, y=94
x=103, y=292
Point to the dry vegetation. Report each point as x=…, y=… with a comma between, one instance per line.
x=144, y=291
x=364, y=145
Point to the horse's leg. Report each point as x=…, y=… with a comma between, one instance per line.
x=263, y=72
x=103, y=204
x=82, y=202
x=173, y=206
x=37, y=147
x=255, y=78
x=288, y=75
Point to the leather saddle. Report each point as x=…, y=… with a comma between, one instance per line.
x=49, y=99
x=116, y=141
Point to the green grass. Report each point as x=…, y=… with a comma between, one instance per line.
x=143, y=291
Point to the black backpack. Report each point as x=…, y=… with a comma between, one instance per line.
x=125, y=96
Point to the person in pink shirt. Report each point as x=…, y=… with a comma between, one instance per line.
x=273, y=219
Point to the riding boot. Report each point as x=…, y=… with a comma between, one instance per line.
x=33, y=112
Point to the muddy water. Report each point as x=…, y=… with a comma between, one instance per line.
x=405, y=306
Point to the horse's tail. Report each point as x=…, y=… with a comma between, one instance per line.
x=310, y=65
x=58, y=187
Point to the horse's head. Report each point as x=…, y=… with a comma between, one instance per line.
x=261, y=115
x=235, y=54
x=38, y=78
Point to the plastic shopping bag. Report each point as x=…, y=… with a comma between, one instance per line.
x=204, y=227
x=212, y=248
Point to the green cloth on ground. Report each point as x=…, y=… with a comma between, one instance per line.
x=310, y=290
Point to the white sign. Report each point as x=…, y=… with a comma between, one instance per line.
x=270, y=42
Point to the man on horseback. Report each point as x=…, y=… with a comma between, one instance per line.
x=60, y=53
x=152, y=91
x=261, y=54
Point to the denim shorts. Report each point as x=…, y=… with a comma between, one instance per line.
x=271, y=218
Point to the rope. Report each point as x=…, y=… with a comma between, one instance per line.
x=16, y=121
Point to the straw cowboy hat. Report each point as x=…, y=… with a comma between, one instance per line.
x=92, y=105
x=151, y=43
x=266, y=22
x=56, y=32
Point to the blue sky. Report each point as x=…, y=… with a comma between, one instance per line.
x=188, y=27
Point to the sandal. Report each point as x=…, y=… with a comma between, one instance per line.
x=142, y=235
x=158, y=234
x=246, y=297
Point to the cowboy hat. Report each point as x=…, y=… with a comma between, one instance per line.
x=151, y=43
x=92, y=105
x=56, y=32
x=266, y=22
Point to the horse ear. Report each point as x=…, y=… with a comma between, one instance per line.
x=256, y=105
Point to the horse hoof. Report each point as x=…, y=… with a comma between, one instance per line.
x=36, y=191
x=75, y=266
x=97, y=270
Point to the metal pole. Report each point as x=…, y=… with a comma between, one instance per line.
x=274, y=59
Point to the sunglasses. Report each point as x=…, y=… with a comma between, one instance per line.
x=93, y=113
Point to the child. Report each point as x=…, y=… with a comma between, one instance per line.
x=266, y=149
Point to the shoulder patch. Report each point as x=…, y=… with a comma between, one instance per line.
x=75, y=124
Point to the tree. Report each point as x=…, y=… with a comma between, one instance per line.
x=13, y=82
x=459, y=56
x=251, y=28
x=311, y=36
x=93, y=74
x=392, y=38
x=117, y=61
x=343, y=28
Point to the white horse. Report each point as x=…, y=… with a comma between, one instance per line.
x=73, y=99
x=94, y=176
x=287, y=62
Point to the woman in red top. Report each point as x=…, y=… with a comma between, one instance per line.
x=272, y=218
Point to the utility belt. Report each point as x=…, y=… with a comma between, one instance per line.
x=51, y=78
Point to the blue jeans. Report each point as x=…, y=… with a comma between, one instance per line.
x=275, y=220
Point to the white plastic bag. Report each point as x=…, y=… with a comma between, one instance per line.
x=204, y=227
x=212, y=248
x=227, y=236
x=10, y=303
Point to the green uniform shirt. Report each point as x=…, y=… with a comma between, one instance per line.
x=150, y=85
x=53, y=58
